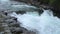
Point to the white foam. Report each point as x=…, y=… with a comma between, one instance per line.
x=45, y=24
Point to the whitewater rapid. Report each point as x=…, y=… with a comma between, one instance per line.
x=45, y=23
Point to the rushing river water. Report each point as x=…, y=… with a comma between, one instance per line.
x=45, y=23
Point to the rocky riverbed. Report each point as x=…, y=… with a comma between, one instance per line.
x=10, y=25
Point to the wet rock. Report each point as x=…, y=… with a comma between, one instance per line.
x=16, y=29
x=14, y=25
x=10, y=25
x=21, y=12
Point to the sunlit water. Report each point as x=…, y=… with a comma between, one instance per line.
x=45, y=23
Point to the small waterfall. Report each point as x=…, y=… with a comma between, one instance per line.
x=45, y=23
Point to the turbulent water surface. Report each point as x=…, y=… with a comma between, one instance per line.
x=45, y=23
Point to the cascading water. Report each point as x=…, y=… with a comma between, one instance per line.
x=45, y=23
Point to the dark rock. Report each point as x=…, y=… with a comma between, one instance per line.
x=15, y=19
x=20, y=12
x=14, y=25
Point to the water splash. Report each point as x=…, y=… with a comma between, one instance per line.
x=45, y=24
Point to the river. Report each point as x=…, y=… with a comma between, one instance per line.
x=45, y=23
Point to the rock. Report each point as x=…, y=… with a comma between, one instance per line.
x=10, y=25
x=21, y=12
